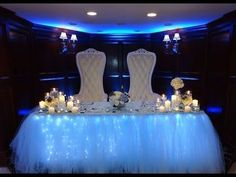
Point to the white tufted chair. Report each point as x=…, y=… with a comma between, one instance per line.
x=141, y=64
x=91, y=66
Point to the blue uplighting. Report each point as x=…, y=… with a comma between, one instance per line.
x=24, y=112
x=114, y=30
x=70, y=91
x=189, y=78
x=169, y=92
x=52, y=78
x=114, y=75
x=214, y=109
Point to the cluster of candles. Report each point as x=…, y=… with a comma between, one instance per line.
x=165, y=105
x=59, y=102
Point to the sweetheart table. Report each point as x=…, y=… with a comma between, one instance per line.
x=117, y=142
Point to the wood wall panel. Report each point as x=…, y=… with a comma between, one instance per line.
x=112, y=53
x=193, y=55
x=7, y=120
x=47, y=56
x=232, y=62
x=230, y=122
x=4, y=63
x=20, y=48
x=217, y=72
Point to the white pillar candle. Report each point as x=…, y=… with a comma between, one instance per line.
x=187, y=109
x=61, y=98
x=195, y=102
x=74, y=109
x=162, y=108
x=69, y=105
x=78, y=102
x=167, y=104
x=173, y=98
x=42, y=104
x=51, y=109
x=176, y=109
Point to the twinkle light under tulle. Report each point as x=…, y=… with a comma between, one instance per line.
x=117, y=143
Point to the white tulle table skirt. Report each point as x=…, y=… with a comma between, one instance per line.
x=117, y=143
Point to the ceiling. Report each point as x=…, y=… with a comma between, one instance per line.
x=120, y=18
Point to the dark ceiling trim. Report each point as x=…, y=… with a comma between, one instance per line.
x=9, y=15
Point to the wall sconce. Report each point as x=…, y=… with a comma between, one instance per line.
x=172, y=48
x=68, y=46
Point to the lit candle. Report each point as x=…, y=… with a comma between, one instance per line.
x=163, y=97
x=162, y=108
x=78, y=102
x=187, y=109
x=53, y=89
x=71, y=98
x=176, y=92
x=51, y=109
x=42, y=104
x=173, y=98
x=167, y=105
x=61, y=98
x=69, y=105
x=195, y=102
x=188, y=92
x=74, y=109
x=47, y=93
x=157, y=105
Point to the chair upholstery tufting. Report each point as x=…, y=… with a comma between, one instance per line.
x=91, y=66
x=141, y=64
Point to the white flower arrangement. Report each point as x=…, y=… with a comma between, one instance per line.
x=177, y=83
x=118, y=99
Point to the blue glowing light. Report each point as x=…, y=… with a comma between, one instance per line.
x=214, y=109
x=114, y=75
x=52, y=78
x=125, y=76
x=189, y=78
x=24, y=112
x=169, y=92
x=70, y=91
x=114, y=30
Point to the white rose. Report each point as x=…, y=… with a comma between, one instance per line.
x=177, y=83
x=118, y=93
x=116, y=97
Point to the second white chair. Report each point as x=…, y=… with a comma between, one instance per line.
x=141, y=64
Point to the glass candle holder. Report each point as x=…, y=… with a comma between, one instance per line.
x=54, y=92
x=196, y=108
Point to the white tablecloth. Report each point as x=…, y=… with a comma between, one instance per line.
x=117, y=143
